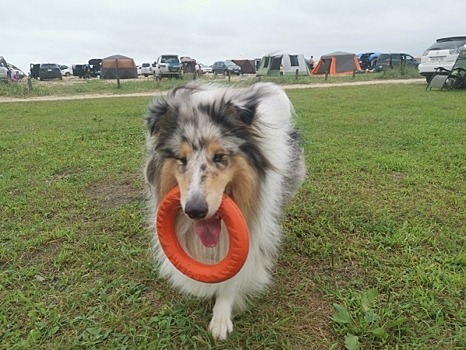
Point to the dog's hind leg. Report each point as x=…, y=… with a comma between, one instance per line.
x=221, y=324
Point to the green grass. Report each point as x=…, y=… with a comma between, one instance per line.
x=374, y=254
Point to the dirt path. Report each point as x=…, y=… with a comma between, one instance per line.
x=142, y=94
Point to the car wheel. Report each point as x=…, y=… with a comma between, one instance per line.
x=67, y=74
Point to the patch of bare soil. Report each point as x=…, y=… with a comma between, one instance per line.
x=112, y=195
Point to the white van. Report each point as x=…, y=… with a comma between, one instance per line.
x=443, y=53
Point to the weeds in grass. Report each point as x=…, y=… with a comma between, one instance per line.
x=362, y=320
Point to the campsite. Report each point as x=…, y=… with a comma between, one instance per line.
x=373, y=250
x=279, y=63
x=384, y=189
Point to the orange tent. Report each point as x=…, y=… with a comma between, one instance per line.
x=337, y=63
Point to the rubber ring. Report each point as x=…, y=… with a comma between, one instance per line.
x=237, y=232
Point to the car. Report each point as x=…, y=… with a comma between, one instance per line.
x=205, y=68
x=49, y=71
x=394, y=60
x=443, y=53
x=146, y=69
x=368, y=60
x=66, y=71
x=4, y=74
x=226, y=68
x=169, y=66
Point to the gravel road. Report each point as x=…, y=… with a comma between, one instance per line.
x=286, y=87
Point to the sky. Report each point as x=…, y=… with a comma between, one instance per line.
x=72, y=32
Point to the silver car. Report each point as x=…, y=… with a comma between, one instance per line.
x=443, y=53
x=4, y=74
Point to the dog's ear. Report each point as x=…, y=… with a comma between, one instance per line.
x=157, y=110
x=244, y=107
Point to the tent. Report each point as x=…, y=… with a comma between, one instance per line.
x=118, y=66
x=247, y=66
x=289, y=64
x=189, y=64
x=337, y=63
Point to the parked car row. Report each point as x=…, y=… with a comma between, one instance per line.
x=170, y=66
x=147, y=69
x=377, y=61
x=443, y=53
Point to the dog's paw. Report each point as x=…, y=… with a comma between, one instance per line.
x=220, y=327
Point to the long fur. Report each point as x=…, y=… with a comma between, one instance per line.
x=210, y=140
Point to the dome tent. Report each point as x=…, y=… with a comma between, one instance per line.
x=290, y=65
x=118, y=66
x=337, y=63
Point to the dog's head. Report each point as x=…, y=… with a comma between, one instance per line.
x=205, y=140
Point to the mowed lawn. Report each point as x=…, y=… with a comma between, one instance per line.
x=374, y=254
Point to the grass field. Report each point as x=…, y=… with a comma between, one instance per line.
x=374, y=255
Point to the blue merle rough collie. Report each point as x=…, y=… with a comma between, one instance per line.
x=210, y=140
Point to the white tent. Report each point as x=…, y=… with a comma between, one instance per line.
x=282, y=64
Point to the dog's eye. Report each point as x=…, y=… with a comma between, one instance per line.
x=182, y=161
x=219, y=158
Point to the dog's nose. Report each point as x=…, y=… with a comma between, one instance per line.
x=196, y=208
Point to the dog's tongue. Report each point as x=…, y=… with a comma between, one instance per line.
x=208, y=231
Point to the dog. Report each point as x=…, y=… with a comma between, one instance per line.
x=212, y=140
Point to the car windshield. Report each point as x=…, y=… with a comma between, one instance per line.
x=146, y=64
x=48, y=66
x=230, y=64
x=447, y=44
x=170, y=59
x=365, y=56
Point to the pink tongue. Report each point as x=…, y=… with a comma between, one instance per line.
x=208, y=231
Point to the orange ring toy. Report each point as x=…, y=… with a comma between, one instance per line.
x=238, y=236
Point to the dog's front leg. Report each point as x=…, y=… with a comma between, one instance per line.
x=221, y=324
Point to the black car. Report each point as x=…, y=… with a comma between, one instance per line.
x=49, y=71
x=393, y=60
x=368, y=60
x=225, y=68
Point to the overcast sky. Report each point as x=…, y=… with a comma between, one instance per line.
x=72, y=32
